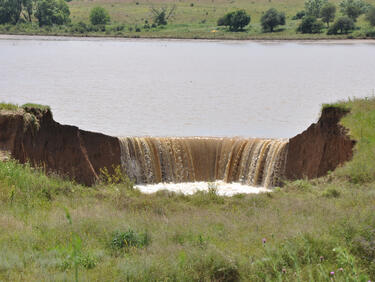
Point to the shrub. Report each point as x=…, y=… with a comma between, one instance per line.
x=12, y=10
x=80, y=27
x=212, y=266
x=236, y=20
x=370, y=16
x=331, y=193
x=299, y=15
x=271, y=19
x=343, y=25
x=328, y=13
x=310, y=24
x=313, y=7
x=128, y=239
x=49, y=12
x=99, y=16
x=162, y=15
x=353, y=8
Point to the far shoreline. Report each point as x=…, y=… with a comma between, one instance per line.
x=122, y=38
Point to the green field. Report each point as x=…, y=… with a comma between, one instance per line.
x=55, y=230
x=192, y=19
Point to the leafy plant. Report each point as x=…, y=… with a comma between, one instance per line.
x=117, y=176
x=236, y=20
x=162, y=15
x=353, y=8
x=313, y=7
x=370, y=16
x=99, y=16
x=299, y=15
x=271, y=19
x=129, y=239
x=50, y=12
x=343, y=25
x=328, y=12
x=310, y=24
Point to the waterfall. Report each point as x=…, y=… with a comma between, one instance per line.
x=256, y=162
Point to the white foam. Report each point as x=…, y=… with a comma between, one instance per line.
x=189, y=188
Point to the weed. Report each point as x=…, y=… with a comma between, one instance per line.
x=129, y=240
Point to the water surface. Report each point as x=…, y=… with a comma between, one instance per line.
x=184, y=87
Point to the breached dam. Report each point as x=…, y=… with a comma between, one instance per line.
x=250, y=161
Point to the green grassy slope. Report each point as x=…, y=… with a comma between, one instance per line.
x=51, y=229
x=193, y=19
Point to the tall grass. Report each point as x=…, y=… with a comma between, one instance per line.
x=361, y=124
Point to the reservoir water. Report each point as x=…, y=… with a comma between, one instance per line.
x=184, y=87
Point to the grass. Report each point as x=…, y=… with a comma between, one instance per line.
x=8, y=107
x=15, y=107
x=193, y=19
x=53, y=229
x=36, y=106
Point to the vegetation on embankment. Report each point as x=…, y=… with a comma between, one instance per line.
x=318, y=230
x=15, y=107
x=189, y=19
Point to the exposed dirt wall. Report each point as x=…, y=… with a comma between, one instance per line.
x=320, y=148
x=32, y=135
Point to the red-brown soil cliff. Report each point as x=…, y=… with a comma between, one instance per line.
x=32, y=135
x=321, y=148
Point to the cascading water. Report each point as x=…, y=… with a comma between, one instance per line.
x=256, y=162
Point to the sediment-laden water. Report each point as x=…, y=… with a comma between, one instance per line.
x=250, y=161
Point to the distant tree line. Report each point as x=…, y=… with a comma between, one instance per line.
x=313, y=17
x=316, y=16
x=56, y=12
x=47, y=12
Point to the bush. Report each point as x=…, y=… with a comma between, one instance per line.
x=212, y=266
x=235, y=20
x=128, y=239
x=299, y=15
x=343, y=25
x=353, y=8
x=80, y=27
x=162, y=15
x=271, y=19
x=328, y=13
x=370, y=16
x=99, y=16
x=49, y=12
x=310, y=24
x=331, y=192
x=313, y=7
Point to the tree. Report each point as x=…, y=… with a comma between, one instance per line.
x=236, y=20
x=343, y=25
x=49, y=12
x=99, y=16
x=28, y=8
x=271, y=19
x=370, y=16
x=353, y=8
x=10, y=11
x=310, y=24
x=162, y=15
x=313, y=7
x=299, y=15
x=328, y=12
